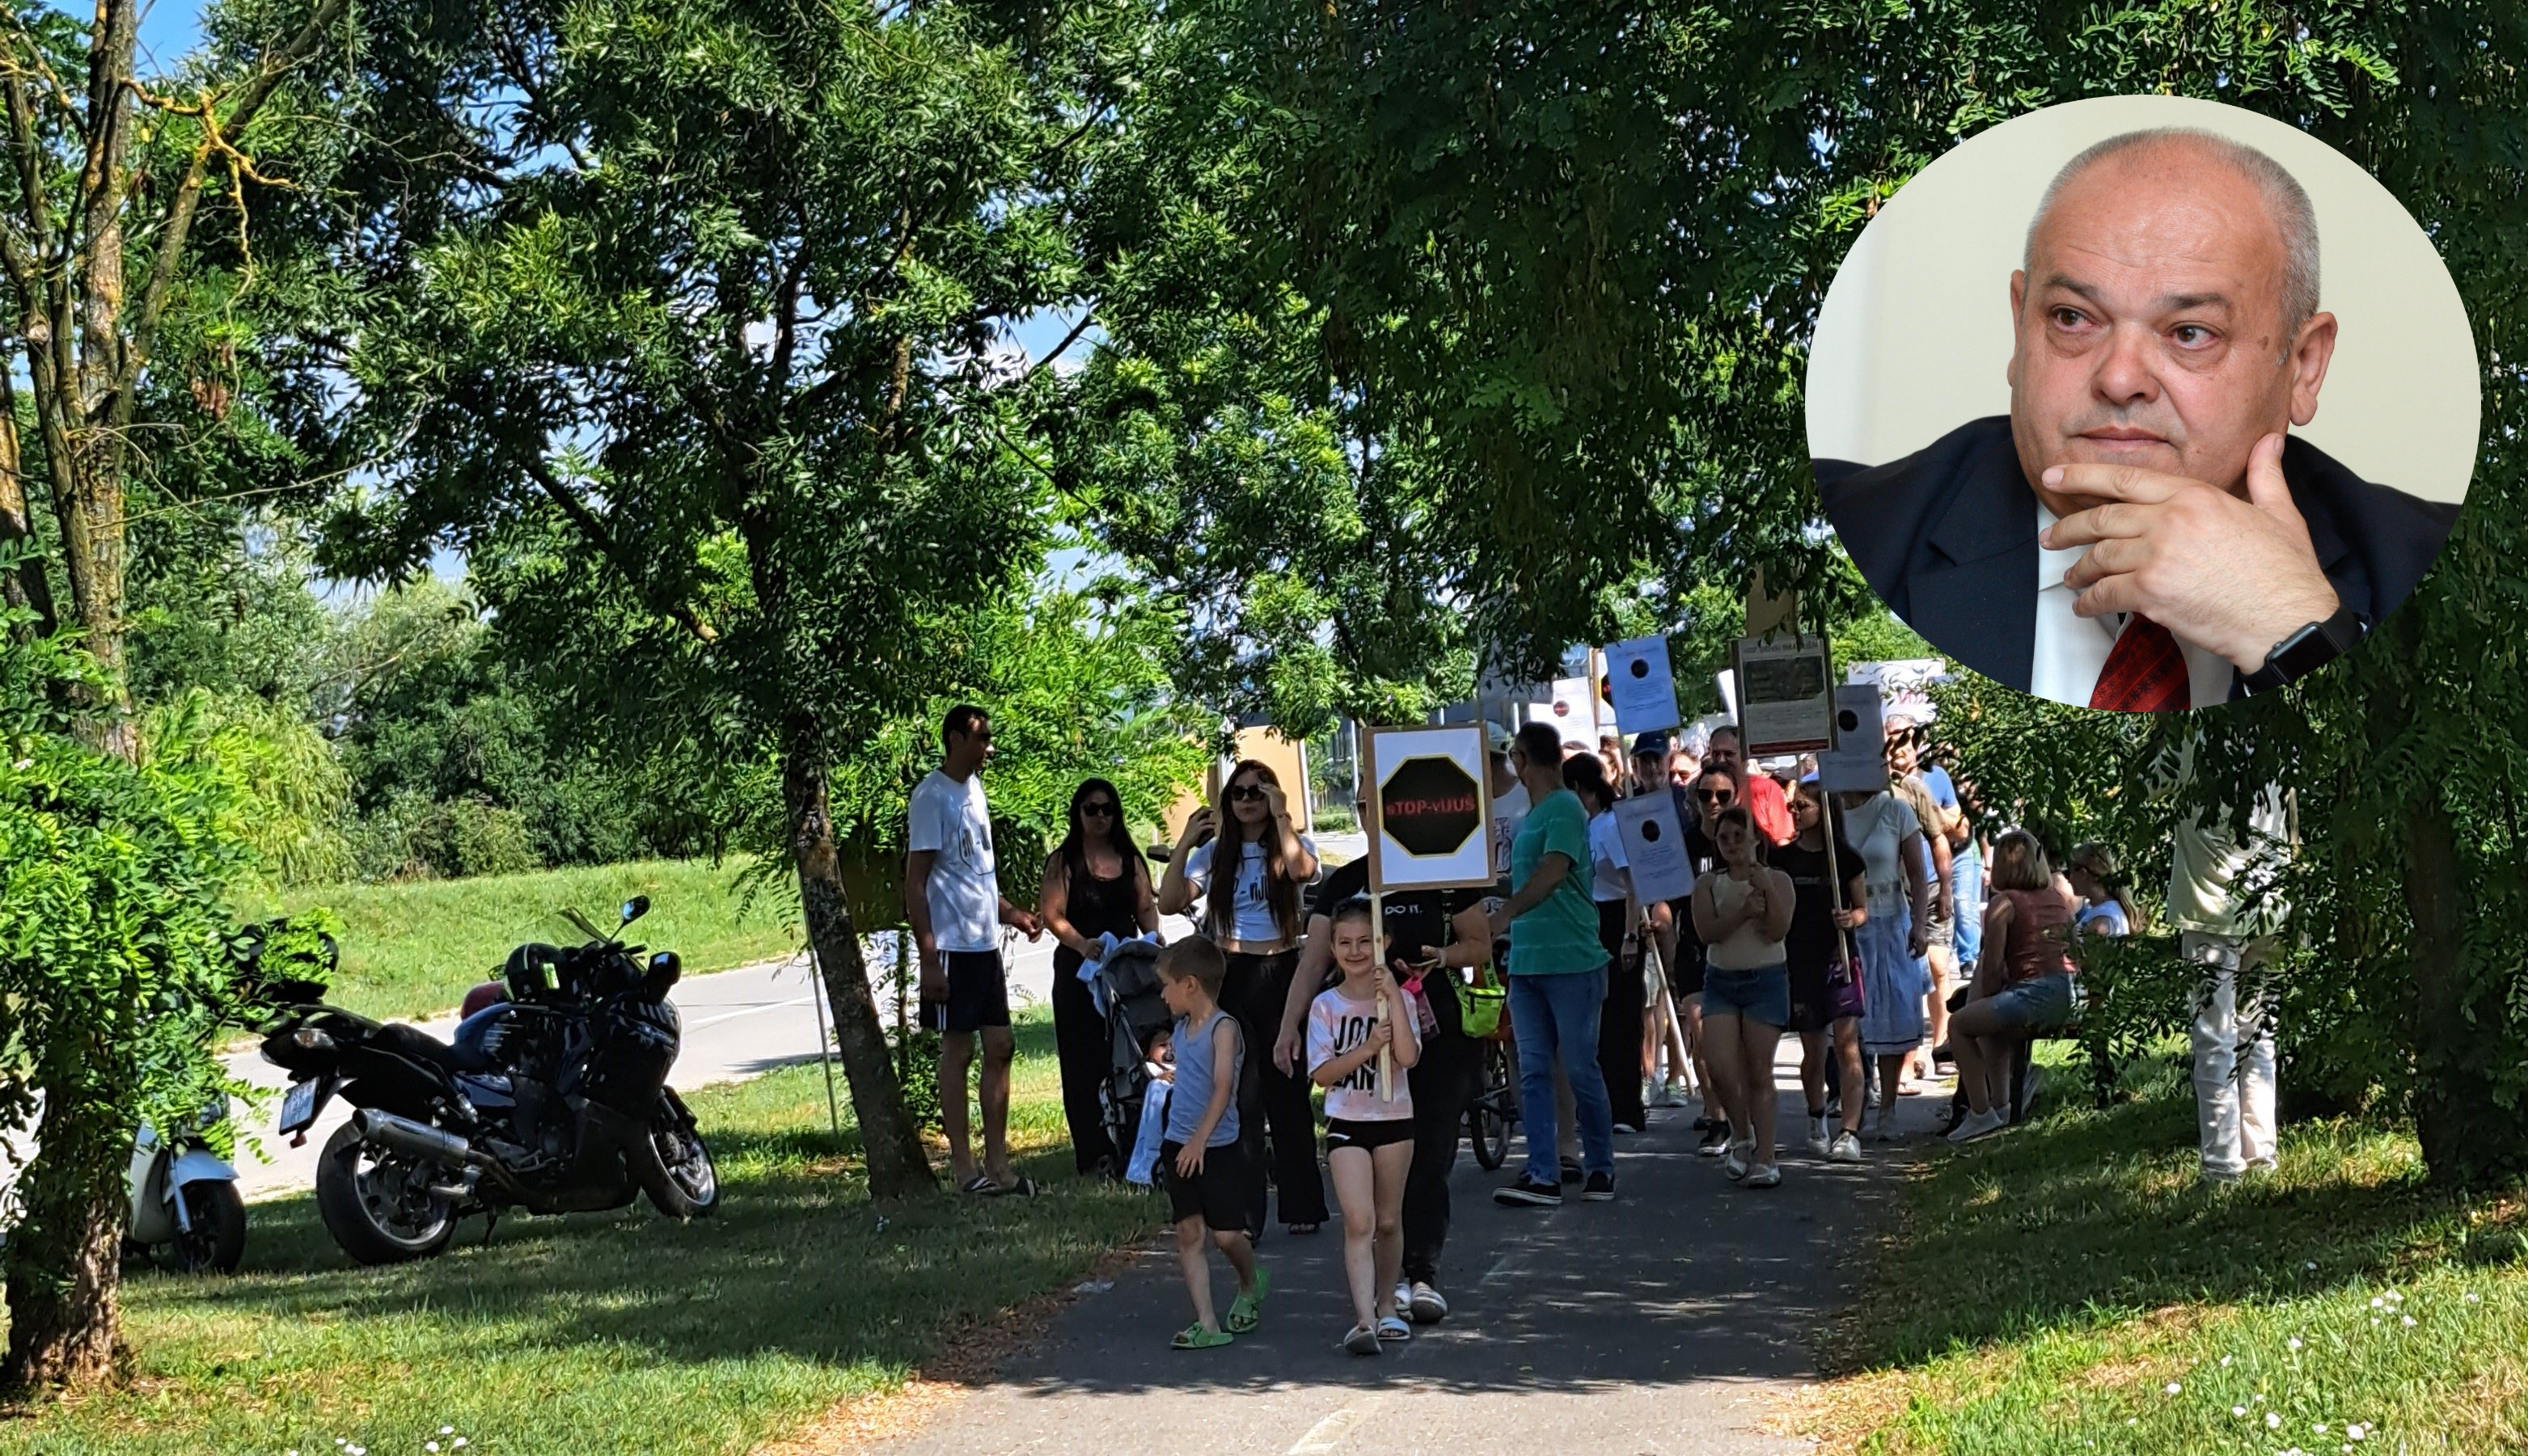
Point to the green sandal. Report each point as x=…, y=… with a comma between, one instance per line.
x=1246, y=1311
x=1195, y=1337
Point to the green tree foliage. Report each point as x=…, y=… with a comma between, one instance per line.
x=702, y=343
x=112, y=945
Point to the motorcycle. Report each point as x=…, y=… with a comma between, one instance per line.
x=184, y=1199
x=554, y=1100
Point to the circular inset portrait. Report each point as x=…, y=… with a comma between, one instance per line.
x=2142, y=403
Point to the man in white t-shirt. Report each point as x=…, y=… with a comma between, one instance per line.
x=952, y=895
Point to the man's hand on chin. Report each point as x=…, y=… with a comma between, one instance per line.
x=2228, y=575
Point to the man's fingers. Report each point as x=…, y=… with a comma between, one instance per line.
x=2112, y=594
x=2265, y=484
x=2096, y=524
x=2116, y=482
x=2107, y=558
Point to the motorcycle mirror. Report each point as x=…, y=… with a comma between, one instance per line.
x=635, y=908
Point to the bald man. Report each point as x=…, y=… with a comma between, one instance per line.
x=2143, y=531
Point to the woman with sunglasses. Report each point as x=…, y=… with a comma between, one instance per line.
x=1096, y=884
x=1710, y=791
x=1247, y=880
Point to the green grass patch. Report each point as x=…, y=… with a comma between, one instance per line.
x=2069, y=1287
x=604, y=1333
x=413, y=949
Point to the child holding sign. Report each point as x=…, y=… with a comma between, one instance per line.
x=1369, y=1118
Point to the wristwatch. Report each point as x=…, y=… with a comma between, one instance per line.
x=2304, y=651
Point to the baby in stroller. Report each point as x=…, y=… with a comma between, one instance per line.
x=1132, y=1095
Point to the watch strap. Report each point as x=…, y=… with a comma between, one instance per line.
x=2307, y=649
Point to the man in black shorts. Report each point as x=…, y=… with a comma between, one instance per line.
x=952, y=897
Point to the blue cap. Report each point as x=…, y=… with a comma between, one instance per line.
x=1650, y=743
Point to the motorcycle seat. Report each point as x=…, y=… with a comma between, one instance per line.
x=421, y=1046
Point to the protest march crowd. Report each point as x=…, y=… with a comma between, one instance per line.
x=1905, y=934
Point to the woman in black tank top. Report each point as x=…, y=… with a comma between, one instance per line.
x=1094, y=885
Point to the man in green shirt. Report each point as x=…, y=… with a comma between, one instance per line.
x=1558, y=978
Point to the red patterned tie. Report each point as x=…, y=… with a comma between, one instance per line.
x=2145, y=672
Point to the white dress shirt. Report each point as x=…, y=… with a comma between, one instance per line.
x=2072, y=649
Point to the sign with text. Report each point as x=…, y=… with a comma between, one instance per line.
x=1785, y=693
x=1429, y=813
x=1858, y=761
x=1655, y=847
x=1640, y=685
x=1904, y=684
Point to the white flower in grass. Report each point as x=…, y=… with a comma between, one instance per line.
x=2471, y=1299
x=2260, y=1398
x=2273, y=1422
x=2239, y=1411
x=2293, y=1342
x=2377, y=1303
x=2356, y=1432
x=2319, y=1426
x=2174, y=1388
x=2406, y=1320
x=459, y=1444
x=2225, y=1362
x=2395, y=1298
x=448, y=1430
x=2311, y=1265
x=431, y=1446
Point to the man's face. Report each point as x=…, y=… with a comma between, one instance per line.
x=2149, y=325
x=1723, y=753
x=1902, y=758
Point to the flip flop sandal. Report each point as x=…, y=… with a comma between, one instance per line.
x=1195, y=1337
x=1023, y=1188
x=1361, y=1340
x=1246, y=1311
x=1392, y=1330
x=1302, y=1230
x=976, y=1184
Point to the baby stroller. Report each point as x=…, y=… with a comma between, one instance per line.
x=1128, y=986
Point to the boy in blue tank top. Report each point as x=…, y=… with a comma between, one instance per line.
x=1209, y=1176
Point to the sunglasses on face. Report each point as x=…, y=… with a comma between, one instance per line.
x=1245, y=791
x=1714, y=796
x=1097, y=810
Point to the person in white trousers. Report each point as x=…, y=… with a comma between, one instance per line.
x=2226, y=928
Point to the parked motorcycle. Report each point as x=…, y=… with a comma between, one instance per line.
x=553, y=1101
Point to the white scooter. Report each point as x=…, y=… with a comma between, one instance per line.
x=184, y=1199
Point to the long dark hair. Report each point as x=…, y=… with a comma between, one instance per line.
x=1229, y=856
x=1074, y=848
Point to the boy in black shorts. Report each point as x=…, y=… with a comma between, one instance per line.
x=1209, y=1176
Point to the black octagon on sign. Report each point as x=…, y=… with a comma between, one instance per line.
x=1429, y=806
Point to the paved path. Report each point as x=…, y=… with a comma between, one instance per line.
x=1667, y=1322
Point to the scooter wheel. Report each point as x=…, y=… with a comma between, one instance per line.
x=217, y=1240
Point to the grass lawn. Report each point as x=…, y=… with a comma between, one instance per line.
x=2068, y=1287
x=413, y=949
x=605, y=1333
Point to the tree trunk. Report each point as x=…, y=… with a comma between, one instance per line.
x=2468, y=1139
x=63, y=1263
x=890, y=1145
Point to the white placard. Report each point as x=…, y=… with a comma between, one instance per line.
x=1639, y=683
x=1655, y=847
x=1389, y=753
x=1575, y=710
x=1858, y=761
x=1785, y=694
x=1904, y=684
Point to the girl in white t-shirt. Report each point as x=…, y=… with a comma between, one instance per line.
x=1369, y=1140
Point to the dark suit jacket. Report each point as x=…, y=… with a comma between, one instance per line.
x=1947, y=538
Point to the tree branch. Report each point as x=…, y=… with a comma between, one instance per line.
x=181, y=208
x=1068, y=340
x=681, y=612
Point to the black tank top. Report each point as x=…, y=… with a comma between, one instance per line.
x=1096, y=906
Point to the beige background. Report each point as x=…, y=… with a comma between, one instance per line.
x=1916, y=330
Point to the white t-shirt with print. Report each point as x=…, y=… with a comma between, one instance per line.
x=1252, y=920
x=1510, y=810
x=1606, y=862
x=1337, y=1026
x=951, y=820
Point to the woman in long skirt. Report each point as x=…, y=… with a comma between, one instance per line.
x=1895, y=975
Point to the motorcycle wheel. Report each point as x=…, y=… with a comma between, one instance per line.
x=688, y=1186
x=217, y=1212
x=372, y=1207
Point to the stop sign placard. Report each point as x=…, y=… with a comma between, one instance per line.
x=1430, y=807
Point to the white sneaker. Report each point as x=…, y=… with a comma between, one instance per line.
x=1818, y=1141
x=1846, y=1149
x=1976, y=1125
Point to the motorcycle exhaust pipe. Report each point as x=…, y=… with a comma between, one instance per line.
x=404, y=1135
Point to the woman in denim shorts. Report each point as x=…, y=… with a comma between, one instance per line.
x=2023, y=986
x=1742, y=912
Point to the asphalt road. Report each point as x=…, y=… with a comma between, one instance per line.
x=1667, y=1322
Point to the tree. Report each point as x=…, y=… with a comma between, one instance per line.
x=113, y=877
x=96, y=238
x=723, y=295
